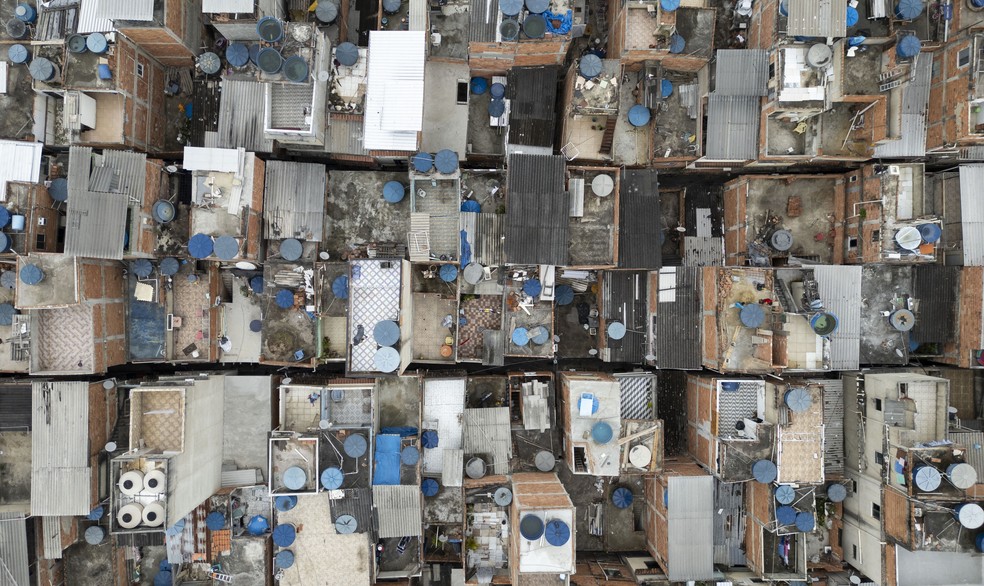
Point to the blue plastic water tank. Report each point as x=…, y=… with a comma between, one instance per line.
x=930, y=232
x=58, y=190
x=291, y=249
x=409, y=456
x=285, y=299
x=142, y=268
x=237, y=54
x=669, y=5
x=446, y=161
x=355, y=445
x=785, y=515
x=340, y=287
x=535, y=26
x=927, y=478
x=764, y=471
x=836, y=493
x=284, y=535
x=270, y=29
x=785, y=494
x=909, y=9
x=798, y=399
x=296, y=69
x=7, y=312
x=170, y=266
x=665, y=88
x=347, y=54
x=752, y=315
x=394, y=191
x=284, y=559
x=520, y=337
x=479, y=85
x=42, y=69
x=852, y=16
x=590, y=66
x=537, y=6
x=564, y=295
x=557, y=533
x=332, y=478
x=256, y=284
x=639, y=115
x=622, y=497
x=258, y=525
x=531, y=527
x=226, y=247
x=601, y=432
x=805, y=521
x=269, y=60
x=200, y=246
x=532, y=287
x=422, y=162
x=285, y=503
x=215, y=521
x=511, y=7
x=97, y=43
x=677, y=44
x=470, y=205
x=18, y=53
x=295, y=478
x=31, y=274
x=326, y=12
x=539, y=335
x=24, y=12
x=429, y=439
x=429, y=487
x=391, y=6
x=386, y=332
x=4, y=217
x=497, y=108
x=448, y=273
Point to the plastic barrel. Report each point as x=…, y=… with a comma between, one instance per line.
x=296, y=69
x=18, y=54
x=270, y=29
x=96, y=42
x=535, y=26
x=269, y=60
x=479, y=85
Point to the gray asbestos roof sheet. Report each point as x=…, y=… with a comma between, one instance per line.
x=13, y=550
x=915, y=103
x=537, y=210
x=690, y=528
x=483, y=15
x=816, y=18
x=241, y=116
x=487, y=432
x=638, y=240
x=677, y=320
x=972, y=214
x=741, y=72
x=398, y=510
x=732, y=127
x=60, y=473
x=840, y=290
x=294, y=202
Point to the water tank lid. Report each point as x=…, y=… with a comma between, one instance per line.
x=269, y=60
x=962, y=475
x=669, y=5
x=429, y=487
x=602, y=185
x=394, y=191
x=497, y=108
x=386, y=332
x=284, y=535
x=256, y=284
x=852, y=16
x=805, y=521
x=285, y=503
x=340, y=287
x=356, y=445
x=326, y=12
x=902, y=320
x=531, y=527
x=511, y=7
x=640, y=456
x=296, y=69
x=41, y=69
x=509, y=29
x=564, y=295
x=332, y=478
x=258, y=525
x=479, y=85
x=94, y=535
x=96, y=42
x=215, y=521
x=908, y=46
x=291, y=249
x=782, y=240
x=446, y=161
x=270, y=29
x=764, y=471
x=520, y=336
x=409, y=456
x=142, y=268
x=284, y=559
x=677, y=44
x=285, y=299
x=639, y=115
x=170, y=266
x=163, y=211
x=502, y=496
x=798, y=399
x=544, y=461
x=557, y=532
x=386, y=359
x=622, y=497
x=237, y=54
x=346, y=524
x=909, y=9
x=836, y=493
x=752, y=315
x=928, y=478
x=970, y=515
x=475, y=468
x=295, y=478
x=785, y=515
x=31, y=274
x=497, y=91
x=616, y=330
x=200, y=246
x=601, y=432
x=532, y=287
x=18, y=53
x=535, y=26
x=539, y=335
x=448, y=273
x=930, y=232
x=347, y=54
x=785, y=494
x=537, y=6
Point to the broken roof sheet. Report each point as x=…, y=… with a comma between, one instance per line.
x=741, y=72
x=220, y=6
x=972, y=214
x=241, y=116
x=638, y=241
x=532, y=92
x=142, y=10
x=398, y=510
x=732, y=127
x=538, y=208
x=915, y=103
x=60, y=473
x=100, y=188
x=19, y=161
x=294, y=202
x=394, y=112
x=816, y=18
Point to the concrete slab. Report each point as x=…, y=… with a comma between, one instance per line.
x=236, y=317
x=398, y=401
x=358, y=214
x=483, y=139
x=452, y=24
x=445, y=118
x=15, y=465
x=247, y=416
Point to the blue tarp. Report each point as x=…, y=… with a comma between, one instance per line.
x=400, y=431
x=387, y=460
x=465, y=249
x=566, y=21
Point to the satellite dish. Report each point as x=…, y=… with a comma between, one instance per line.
x=171, y=168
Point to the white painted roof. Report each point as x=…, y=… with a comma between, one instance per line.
x=90, y=20
x=220, y=6
x=206, y=159
x=125, y=9
x=395, y=95
x=19, y=161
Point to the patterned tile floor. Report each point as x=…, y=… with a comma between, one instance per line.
x=482, y=313
x=64, y=339
x=191, y=305
x=636, y=397
x=158, y=419
x=374, y=294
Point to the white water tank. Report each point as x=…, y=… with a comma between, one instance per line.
x=153, y=514
x=154, y=481
x=129, y=516
x=131, y=482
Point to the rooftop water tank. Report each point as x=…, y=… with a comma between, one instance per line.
x=16, y=29
x=520, y=336
x=798, y=399
x=751, y=315
x=448, y=273
x=497, y=108
x=355, y=445
x=154, y=480
x=130, y=515
x=531, y=527
x=285, y=503
x=163, y=211
x=785, y=494
x=601, y=432
x=340, y=287
x=142, y=268
x=909, y=9
x=669, y=5
x=429, y=487
x=31, y=274
x=25, y=12
x=258, y=525
x=284, y=559
x=409, y=456
x=18, y=53
x=294, y=478
x=535, y=26
x=622, y=497
x=639, y=115
x=332, y=478
x=836, y=493
x=805, y=521
x=386, y=359
x=386, y=332
x=7, y=312
x=785, y=515
x=394, y=191
x=42, y=69
x=170, y=266
x=677, y=44
x=391, y=6
x=270, y=60
x=764, y=471
x=284, y=299
x=97, y=43
x=270, y=29
x=209, y=63
x=539, y=335
x=616, y=330
x=291, y=249
x=590, y=66
x=347, y=54
x=902, y=320
x=544, y=461
x=532, y=287
x=962, y=475
x=511, y=7
x=557, y=533
x=326, y=12
x=422, y=162
x=94, y=535
x=502, y=496
x=256, y=284
x=479, y=85
x=908, y=46
x=346, y=524
x=564, y=295
x=927, y=478
x=215, y=521
x=824, y=323
x=200, y=246
x=475, y=468
x=665, y=88
x=58, y=190
x=782, y=240
x=819, y=56
x=446, y=161
x=537, y=6
x=930, y=232
x=970, y=515
x=284, y=535
x=237, y=54
x=296, y=69
x=153, y=514
x=509, y=29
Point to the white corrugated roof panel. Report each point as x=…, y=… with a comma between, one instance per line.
x=840, y=290
x=205, y=159
x=60, y=473
x=691, y=528
x=90, y=21
x=398, y=510
x=972, y=214
x=13, y=550
x=395, y=90
x=220, y=6
x=19, y=161
x=125, y=9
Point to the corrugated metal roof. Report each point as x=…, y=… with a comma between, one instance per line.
x=729, y=523
x=13, y=550
x=676, y=327
x=51, y=537
x=969, y=439
x=483, y=16
x=638, y=242
x=220, y=6
x=741, y=72
x=453, y=467
x=398, y=510
x=816, y=18
x=57, y=20
x=537, y=211
x=487, y=432
x=625, y=298
x=532, y=92
x=241, y=116
x=19, y=161
x=972, y=214
x=90, y=22
x=345, y=135
x=840, y=290
x=702, y=252
x=417, y=15
x=15, y=408
x=732, y=127
x=60, y=473
x=394, y=111
x=485, y=234
x=96, y=220
x=937, y=289
x=833, y=427
x=356, y=502
x=294, y=200
x=141, y=10
x=690, y=528
x=915, y=103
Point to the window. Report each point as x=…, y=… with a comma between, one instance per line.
x=462, y=91
x=876, y=511
x=40, y=242
x=879, y=458
x=876, y=235
x=963, y=57
x=140, y=69
x=852, y=242
x=878, y=405
x=854, y=551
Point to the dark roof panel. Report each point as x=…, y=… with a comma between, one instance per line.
x=676, y=326
x=625, y=299
x=533, y=108
x=936, y=288
x=537, y=211
x=639, y=224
